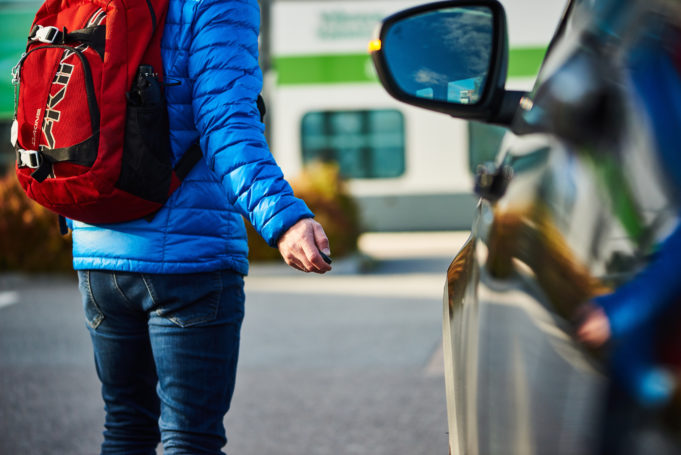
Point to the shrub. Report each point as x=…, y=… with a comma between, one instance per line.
x=29, y=234
x=30, y=240
x=322, y=188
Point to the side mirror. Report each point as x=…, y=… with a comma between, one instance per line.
x=449, y=57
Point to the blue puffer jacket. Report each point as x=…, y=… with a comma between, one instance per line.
x=210, y=47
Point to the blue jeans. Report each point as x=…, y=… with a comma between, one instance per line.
x=166, y=349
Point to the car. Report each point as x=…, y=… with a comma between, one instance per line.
x=560, y=332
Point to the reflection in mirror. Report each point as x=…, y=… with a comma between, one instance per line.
x=441, y=55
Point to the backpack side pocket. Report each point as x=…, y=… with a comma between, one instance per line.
x=146, y=169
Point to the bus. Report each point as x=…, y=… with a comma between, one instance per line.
x=407, y=168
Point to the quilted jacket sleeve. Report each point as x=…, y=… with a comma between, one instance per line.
x=223, y=65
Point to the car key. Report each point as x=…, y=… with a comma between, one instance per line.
x=327, y=259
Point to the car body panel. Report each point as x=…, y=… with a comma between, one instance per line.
x=576, y=221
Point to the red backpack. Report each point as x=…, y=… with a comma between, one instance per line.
x=91, y=127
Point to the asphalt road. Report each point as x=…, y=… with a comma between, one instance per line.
x=341, y=364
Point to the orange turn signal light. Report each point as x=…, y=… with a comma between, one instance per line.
x=374, y=45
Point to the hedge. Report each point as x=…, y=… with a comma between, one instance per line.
x=322, y=188
x=30, y=240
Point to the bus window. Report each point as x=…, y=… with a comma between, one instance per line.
x=483, y=143
x=366, y=144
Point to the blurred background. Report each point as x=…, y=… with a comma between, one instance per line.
x=346, y=363
x=404, y=168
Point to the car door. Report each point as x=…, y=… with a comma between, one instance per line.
x=574, y=207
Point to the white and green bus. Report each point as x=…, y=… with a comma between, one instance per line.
x=408, y=168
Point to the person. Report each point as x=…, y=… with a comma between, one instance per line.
x=632, y=318
x=636, y=324
x=164, y=300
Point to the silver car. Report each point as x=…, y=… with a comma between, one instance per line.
x=560, y=311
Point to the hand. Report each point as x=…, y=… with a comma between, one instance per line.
x=300, y=245
x=594, y=328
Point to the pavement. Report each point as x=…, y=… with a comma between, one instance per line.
x=345, y=363
x=387, y=264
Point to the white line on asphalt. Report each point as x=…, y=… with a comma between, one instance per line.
x=436, y=364
x=8, y=298
x=404, y=286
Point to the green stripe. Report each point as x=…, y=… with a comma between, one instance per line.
x=344, y=68
x=525, y=61
x=324, y=69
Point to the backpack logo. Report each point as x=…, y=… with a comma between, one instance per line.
x=63, y=77
x=52, y=115
x=97, y=18
x=35, y=127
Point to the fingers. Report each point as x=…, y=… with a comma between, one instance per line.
x=313, y=259
x=299, y=246
x=293, y=262
x=594, y=329
x=291, y=257
x=310, y=245
x=320, y=238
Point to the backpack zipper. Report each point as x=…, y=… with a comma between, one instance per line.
x=16, y=74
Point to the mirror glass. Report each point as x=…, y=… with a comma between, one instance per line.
x=442, y=55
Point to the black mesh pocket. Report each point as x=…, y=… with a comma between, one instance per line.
x=146, y=170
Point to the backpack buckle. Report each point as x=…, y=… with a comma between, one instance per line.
x=45, y=35
x=29, y=158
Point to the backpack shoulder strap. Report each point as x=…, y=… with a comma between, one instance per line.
x=188, y=160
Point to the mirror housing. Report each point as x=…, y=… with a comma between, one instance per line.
x=491, y=103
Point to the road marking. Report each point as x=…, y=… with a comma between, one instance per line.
x=427, y=286
x=8, y=298
x=402, y=245
x=436, y=364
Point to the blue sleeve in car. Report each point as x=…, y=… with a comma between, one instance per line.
x=649, y=293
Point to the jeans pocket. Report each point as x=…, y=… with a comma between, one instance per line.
x=93, y=314
x=186, y=300
x=195, y=314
